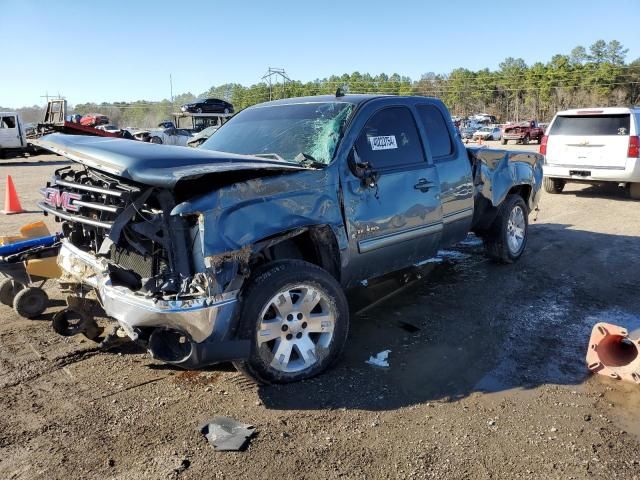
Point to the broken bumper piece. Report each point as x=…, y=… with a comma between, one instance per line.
x=191, y=333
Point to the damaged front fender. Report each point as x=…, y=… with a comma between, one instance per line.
x=245, y=213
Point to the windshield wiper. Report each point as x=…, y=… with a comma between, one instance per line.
x=307, y=160
x=275, y=156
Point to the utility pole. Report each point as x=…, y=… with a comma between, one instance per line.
x=278, y=73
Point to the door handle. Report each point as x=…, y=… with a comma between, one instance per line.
x=423, y=185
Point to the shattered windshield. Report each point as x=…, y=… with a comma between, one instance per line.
x=305, y=133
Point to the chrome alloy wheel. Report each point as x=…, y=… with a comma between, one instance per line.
x=296, y=326
x=516, y=230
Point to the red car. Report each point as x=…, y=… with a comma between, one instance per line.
x=523, y=132
x=94, y=119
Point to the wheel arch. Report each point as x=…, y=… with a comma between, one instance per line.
x=485, y=211
x=523, y=190
x=316, y=244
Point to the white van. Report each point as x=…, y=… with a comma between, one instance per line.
x=593, y=145
x=12, y=134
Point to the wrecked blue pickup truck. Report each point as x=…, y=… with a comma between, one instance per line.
x=241, y=250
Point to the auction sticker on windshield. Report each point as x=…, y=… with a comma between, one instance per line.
x=385, y=142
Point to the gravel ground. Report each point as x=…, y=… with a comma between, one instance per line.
x=486, y=376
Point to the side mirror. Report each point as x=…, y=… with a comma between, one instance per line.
x=362, y=169
x=359, y=167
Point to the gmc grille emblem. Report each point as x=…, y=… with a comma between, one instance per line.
x=64, y=200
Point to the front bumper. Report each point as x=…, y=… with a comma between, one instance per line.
x=513, y=136
x=596, y=173
x=206, y=321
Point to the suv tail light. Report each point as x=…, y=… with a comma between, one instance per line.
x=634, y=147
x=543, y=145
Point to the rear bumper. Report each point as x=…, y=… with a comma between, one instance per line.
x=206, y=321
x=629, y=173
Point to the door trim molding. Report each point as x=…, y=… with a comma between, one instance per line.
x=370, y=244
x=459, y=215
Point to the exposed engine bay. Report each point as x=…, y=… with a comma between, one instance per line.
x=132, y=227
x=123, y=236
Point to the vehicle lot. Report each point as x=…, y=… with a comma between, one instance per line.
x=487, y=376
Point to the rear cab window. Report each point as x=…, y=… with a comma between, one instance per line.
x=390, y=140
x=437, y=132
x=597, y=125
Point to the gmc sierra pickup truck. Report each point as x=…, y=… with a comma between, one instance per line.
x=242, y=249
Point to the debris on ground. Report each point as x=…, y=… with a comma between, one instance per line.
x=227, y=434
x=380, y=360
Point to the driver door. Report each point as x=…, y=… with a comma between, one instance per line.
x=394, y=216
x=10, y=135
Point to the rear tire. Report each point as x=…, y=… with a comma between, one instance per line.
x=296, y=316
x=30, y=302
x=553, y=185
x=634, y=191
x=8, y=291
x=507, y=237
x=503, y=141
x=525, y=141
x=156, y=140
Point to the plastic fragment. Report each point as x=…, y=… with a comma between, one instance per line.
x=380, y=360
x=227, y=434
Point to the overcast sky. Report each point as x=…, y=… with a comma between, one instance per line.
x=125, y=50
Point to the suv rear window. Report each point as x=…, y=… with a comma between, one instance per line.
x=591, y=125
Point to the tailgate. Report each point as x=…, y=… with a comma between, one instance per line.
x=589, y=141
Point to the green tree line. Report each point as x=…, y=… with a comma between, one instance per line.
x=597, y=76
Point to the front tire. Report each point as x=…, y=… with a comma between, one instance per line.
x=503, y=141
x=553, y=185
x=296, y=316
x=506, y=239
x=156, y=140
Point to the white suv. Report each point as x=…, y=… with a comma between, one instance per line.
x=593, y=145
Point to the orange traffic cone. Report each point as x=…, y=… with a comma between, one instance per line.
x=613, y=354
x=11, y=201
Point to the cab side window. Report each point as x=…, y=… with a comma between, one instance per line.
x=390, y=140
x=436, y=130
x=8, y=122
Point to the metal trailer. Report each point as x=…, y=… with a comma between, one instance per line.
x=55, y=121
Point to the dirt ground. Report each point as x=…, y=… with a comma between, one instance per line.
x=486, y=376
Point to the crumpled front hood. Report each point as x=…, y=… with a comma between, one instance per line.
x=152, y=164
